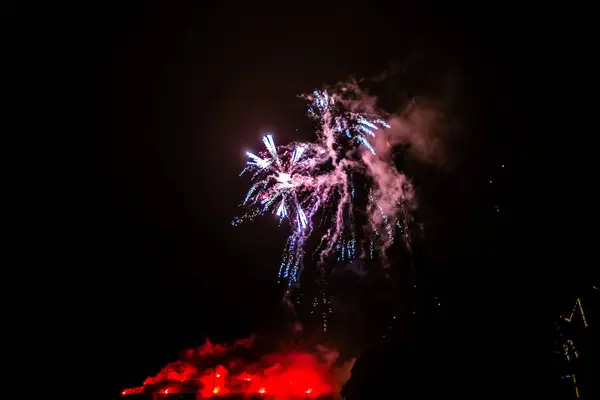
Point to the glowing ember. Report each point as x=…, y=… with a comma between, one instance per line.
x=219, y=370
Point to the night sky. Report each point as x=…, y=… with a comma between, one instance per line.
x=186, y=89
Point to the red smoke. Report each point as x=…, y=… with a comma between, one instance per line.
x=216, y=370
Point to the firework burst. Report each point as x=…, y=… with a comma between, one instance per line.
x=294, y=182
x=278, y=179
x=282, y=183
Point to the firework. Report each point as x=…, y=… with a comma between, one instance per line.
x=277, y=182
x=282, y=183
x=294, y=182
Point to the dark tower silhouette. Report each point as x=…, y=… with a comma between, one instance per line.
x=575, y=330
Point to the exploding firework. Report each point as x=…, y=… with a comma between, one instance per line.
x=298, y=180
x=278, y=182
x=283, y=182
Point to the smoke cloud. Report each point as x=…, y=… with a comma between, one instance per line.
x=422, y=128
x=250, y=366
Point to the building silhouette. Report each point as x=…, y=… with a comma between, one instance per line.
x=575, y=357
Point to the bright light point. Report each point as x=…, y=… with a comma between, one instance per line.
x=308, y=391
x=166, y=391
x=218, y=375
x=284, y=178
x=261, y=390
x=216, y=390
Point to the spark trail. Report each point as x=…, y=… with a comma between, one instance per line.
x=296, y=181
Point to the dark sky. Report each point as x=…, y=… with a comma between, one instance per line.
x=186, y=88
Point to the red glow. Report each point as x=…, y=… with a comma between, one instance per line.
x=135, y=390
x=287, y=375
